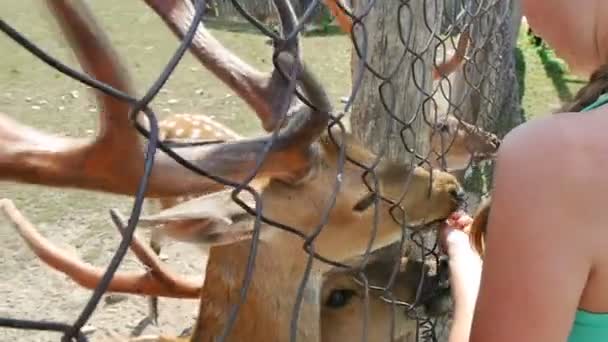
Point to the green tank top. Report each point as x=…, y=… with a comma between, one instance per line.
x=589, y=326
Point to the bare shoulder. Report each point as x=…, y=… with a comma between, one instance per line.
x=556, y=167
x=543, y=207
x=565, y=145
x=548, y=200
x=534, y=148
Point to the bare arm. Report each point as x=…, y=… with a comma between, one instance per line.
x=465, y=271
x=538, y=256
x=535, y=265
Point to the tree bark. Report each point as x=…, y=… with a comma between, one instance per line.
x=389, y=109
x=404, y=79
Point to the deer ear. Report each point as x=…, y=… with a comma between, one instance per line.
x=218, y=206
x=209, y=232
x=212, y=219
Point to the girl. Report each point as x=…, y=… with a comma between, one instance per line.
x=545, y=265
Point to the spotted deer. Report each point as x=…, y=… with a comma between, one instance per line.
x=186, y=128
x=342, y=295
x=460, y=141
x=451, y=139
x=454, y=144
x=301, y=174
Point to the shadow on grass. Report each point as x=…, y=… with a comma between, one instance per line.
x=556, y=74
x=232, y=25
x=520, y=69
x=243, y=26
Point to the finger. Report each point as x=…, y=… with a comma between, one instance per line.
x=466, y=218
x=464, y=222
x=456, y=215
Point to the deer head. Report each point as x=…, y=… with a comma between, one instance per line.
x=457, y=143
x=343, y=298
x=301, y=174
x=175, y=223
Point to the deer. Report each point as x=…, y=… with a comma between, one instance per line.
x=460, y=141
x=342, y=296
x=306, y=164
x=454, y=143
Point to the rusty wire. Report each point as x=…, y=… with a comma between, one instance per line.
x=485, y=19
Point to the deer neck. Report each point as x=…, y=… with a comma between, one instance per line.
x=266, y=313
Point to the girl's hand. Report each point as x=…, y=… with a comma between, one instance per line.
x=454, y=234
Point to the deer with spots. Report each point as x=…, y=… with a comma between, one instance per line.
x=296, y=180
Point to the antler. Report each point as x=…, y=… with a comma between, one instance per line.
x=158, y=281
x=113, y=162
x=337, y=9
x=264, y=93
x=448, y=67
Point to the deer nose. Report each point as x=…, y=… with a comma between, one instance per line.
x=496, y=142
x=459, y=195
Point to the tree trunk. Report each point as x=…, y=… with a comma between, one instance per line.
x=398, y=99
x=394, y=93
x=389, y=109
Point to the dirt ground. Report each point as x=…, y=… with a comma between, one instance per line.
x=81, y=226
x=78, y=221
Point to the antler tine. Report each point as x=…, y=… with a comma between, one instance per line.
x=159, y=281
x=113, y=162
x=30, y=156
x=97, y=57
x=264, y=93
x=448, y=67
x=290, y=157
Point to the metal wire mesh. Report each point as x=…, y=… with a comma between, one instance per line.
x=393, y=106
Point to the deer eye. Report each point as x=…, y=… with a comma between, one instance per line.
x=339, y=298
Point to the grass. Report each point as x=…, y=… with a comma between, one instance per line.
x=546, y=82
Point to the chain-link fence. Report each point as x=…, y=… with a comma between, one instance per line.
x=409, y=106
